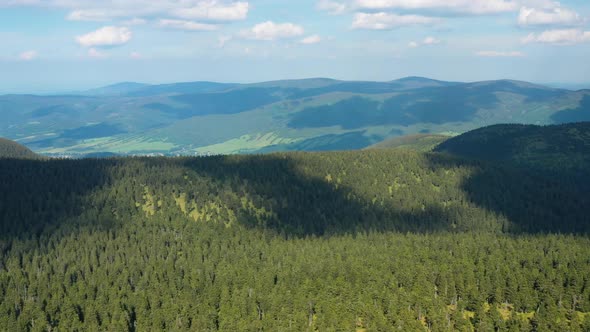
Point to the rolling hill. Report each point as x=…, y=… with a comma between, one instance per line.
x=419, y=142
x=201, y=118
x=11, y=149
x=555, y=150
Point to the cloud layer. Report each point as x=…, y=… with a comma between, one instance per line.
x=96, y=10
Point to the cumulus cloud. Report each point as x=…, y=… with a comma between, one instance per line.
x=559, y=37
x=28, y=55
x=314, y=39
x=186, y=25
x=388, y=21
x=273, y=31
x=478, y=7
x=96, y=10
x=105, y=37
x=498, y=54
x=553, y=16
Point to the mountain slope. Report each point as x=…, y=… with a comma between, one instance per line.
x=557, y=150
x=376, y=240
x=313, y=114
x=419, y=142
x=11, y=149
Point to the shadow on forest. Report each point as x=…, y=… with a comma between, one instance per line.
x=63, y=195
x=532, y=201
x=44, y=196
x=308, y=204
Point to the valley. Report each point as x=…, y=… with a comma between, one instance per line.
x=204, y=118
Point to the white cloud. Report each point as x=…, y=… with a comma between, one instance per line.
x=214, y=11
x=314, y=39
x=273, y=31
x=101, y=10
x=387, y=21
x=428, y=41
x=559, y=37
x=477, y=7
x=135, y=55
x=186, y=25
x=98, y=15
x=106, y=36
x=332, y=7
x=134, y=21
x=28, y=55
x=497, y=54
x=553, y=16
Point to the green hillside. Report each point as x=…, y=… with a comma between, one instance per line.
x=374, y=240
x=562, y=150
x=201, y=118
x=419, y=142
x=11, y=149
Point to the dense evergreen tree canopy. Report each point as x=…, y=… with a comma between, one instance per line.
x=11, y=149
x=560, y=150
x=369, y=240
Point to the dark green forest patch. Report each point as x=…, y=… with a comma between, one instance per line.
x=579, y=114
x=93, y=131
x=348, y=141
x=230, y=102
x=375, y=240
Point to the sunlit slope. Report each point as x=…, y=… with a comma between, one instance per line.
x=419, y=142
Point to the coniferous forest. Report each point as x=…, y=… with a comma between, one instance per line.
x=375, y=240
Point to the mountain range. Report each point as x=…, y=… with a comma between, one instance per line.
x=318, y=114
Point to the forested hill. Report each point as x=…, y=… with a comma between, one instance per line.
x=559, y=150
x=419, y=142
x=11, y=149
x=375, y=240
x=203, y=118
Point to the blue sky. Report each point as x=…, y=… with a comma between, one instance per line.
x=64, y=45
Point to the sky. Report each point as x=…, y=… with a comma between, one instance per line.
x=70, y=45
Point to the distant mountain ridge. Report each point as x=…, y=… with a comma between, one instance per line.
x=315, y=114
